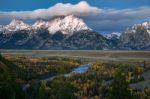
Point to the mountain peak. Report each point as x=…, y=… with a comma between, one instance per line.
x=146, y=23
x=133, y=29
x=15, y=21
x=67, y=24
x=17, y=25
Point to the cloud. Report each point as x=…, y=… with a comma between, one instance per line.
x=102, y=20
x=82, y=8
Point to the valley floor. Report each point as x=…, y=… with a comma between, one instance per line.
x=113, y=56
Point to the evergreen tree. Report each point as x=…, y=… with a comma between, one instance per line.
x=120, y=87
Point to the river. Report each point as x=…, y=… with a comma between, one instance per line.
x=79, y=70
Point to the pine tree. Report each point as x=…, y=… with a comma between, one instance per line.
x=120, y=87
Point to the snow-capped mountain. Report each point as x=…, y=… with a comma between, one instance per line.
x=70, y=32
x=67, y=24
x=16, y=25
x=64, y=32
x=137, y=37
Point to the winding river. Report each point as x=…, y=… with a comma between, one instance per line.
x=79, y=70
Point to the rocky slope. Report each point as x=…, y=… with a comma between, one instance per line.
x=136, y=37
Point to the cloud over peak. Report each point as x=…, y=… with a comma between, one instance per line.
x=82, y=8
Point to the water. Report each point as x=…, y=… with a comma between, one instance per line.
x=79, y=70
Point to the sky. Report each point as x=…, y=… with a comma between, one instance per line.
x=104, y=16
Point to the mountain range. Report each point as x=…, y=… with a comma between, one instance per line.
x=72, y=33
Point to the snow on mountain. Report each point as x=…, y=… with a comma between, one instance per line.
x=147, y=26
x=116, y=34
x=133, y=29
x=67, y=24
x=40, y=24
x=17, y=25
x=113, y=35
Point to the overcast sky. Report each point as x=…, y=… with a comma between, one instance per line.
x=104, y=16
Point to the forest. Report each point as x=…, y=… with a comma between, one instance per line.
x=23, y=77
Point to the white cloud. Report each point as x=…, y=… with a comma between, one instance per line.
x=105, y=20
x=82, y=8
